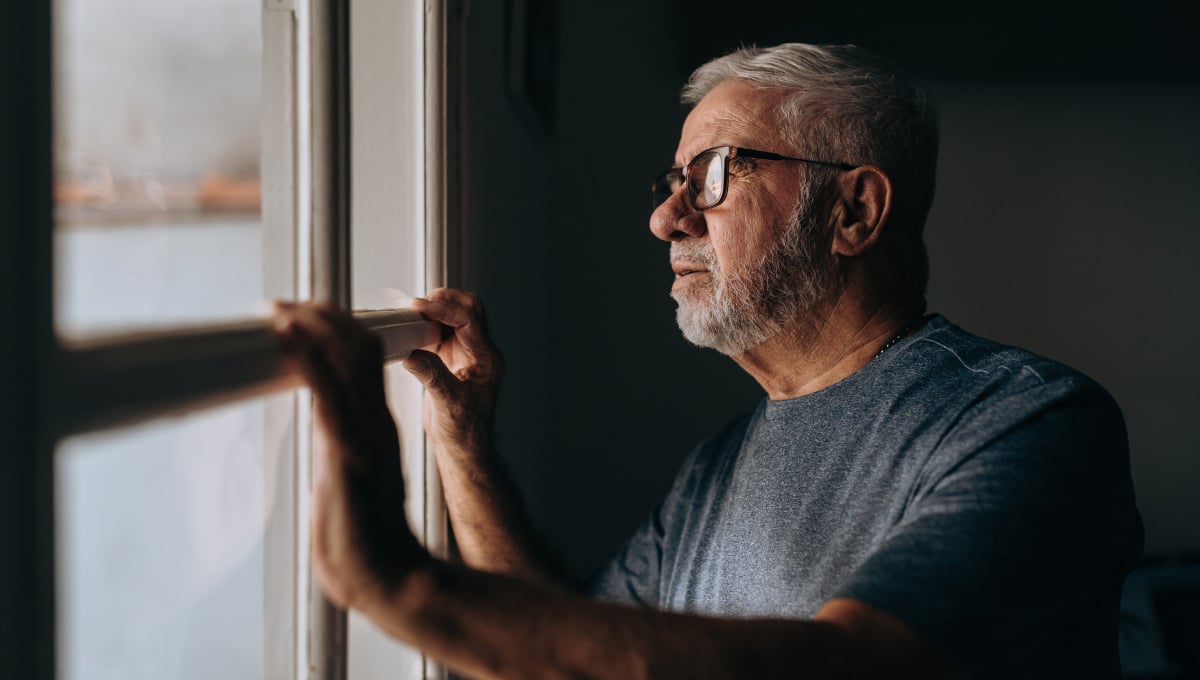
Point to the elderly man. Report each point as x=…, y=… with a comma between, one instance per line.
x=908, y=499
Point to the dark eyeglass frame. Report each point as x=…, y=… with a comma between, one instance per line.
x=671, y=180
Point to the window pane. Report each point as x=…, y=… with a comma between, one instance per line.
x=157, y=194
x=167, y=537
x=388, y=200
x=387, y=248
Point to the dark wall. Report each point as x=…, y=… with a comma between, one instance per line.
x=1062, y=223
x=602, y=399
x=1018, y=40
x=26, y=342
x=633, y=397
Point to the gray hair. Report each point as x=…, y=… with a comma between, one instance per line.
x=847, y=106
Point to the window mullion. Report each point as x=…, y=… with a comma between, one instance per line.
x=134, y=378
x=284, y=566
x=330, y=179
x=124, y=380
x=443, y=98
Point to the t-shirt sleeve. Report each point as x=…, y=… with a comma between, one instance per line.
x=636, y=575
x=1019, y=536
x=633, y=576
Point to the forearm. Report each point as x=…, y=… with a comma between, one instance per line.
x=490, y=526
x=491, y=626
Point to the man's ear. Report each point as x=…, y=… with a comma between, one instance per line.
x=862, y=206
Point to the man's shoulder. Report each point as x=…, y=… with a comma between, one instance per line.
x=951, y=358
x=989, y=393
x=726, y=440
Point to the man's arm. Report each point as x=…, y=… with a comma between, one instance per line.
x=497, y=625
x=461, y=381
x=492, y=626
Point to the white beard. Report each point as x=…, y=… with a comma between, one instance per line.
x=738, y=311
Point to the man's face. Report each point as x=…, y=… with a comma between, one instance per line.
x=749, y=266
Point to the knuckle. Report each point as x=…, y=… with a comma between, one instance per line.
x=474, y=304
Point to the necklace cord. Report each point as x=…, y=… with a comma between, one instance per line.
x=900, y=336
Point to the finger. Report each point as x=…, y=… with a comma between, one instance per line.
x=449, y=311
x=334, y=397
x=309, y=333
x=365, y=349
x=343, y=324
x=464, y=307
x=352, y=350
x=465, y=314
x=431, y=372
x=283, y=320
x=338, y=321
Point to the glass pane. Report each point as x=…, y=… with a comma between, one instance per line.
x=157, y=194
x=388, y=201
x=388, y=256
x=167, y=539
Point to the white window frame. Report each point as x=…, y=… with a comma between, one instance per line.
x=53, y=389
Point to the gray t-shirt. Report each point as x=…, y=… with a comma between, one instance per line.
x=978, y=492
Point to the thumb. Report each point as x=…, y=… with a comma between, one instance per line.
x=429, y=369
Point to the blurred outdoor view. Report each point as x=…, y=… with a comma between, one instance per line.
x=160, y=527
x=157, y=151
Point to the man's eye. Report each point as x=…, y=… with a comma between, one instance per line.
x=739, y=164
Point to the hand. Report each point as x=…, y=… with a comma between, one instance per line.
x=361, y=544
x=463, y=378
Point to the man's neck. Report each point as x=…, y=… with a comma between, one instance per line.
x=829, y=343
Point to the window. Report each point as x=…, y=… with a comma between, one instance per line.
x=157, y=164
x=204, y=158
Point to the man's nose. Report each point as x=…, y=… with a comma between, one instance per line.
x=676, y=219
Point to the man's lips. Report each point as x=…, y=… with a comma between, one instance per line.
x=682, y=269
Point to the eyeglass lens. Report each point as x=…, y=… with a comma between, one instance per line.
x=665, y=185
x=705, y=181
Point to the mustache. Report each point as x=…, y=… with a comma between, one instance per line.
x=695, y=252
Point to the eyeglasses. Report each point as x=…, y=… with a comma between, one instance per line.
x=707, y=175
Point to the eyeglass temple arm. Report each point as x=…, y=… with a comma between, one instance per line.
x=768, y=156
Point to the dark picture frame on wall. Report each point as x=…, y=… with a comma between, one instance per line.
x=532, y=60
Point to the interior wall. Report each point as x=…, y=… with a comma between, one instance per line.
x=602, y=398
x=633, y=397
x=504, y=258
